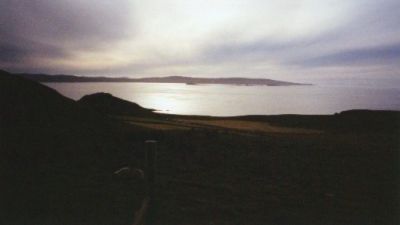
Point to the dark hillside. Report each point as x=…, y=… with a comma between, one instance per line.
x=57, y=159
x=108, y=104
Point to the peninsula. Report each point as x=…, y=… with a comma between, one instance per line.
x=168, y=79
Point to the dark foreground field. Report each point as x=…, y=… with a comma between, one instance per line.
x=58, y=159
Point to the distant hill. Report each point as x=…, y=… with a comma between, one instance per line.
x=169, y=79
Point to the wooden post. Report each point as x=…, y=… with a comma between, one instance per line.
x=151, y=154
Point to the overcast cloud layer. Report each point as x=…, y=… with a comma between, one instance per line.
x=275, y=39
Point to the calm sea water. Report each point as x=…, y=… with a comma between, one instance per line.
x=229, y=100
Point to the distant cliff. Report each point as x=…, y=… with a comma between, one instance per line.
x=170, y=79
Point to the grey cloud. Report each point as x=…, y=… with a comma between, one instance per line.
x=375, y=27
x=23, y=49
x=372, y=37
x=11, y=53
x=375, y=55
x=261, y=49
x=232, y=51
x=47, y=28
x=64, y=20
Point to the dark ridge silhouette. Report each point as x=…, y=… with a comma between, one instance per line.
x=25, y=101
x=108, y=104
x=168, y=79
x=57, y=158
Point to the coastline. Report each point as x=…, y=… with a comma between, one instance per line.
x=287, y=169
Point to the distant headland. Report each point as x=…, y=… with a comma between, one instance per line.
x=168, y=79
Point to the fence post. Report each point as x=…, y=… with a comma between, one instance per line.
x=151, y=155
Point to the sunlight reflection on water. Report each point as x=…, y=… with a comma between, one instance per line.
x=228, y=100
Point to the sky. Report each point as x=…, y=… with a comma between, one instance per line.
x=277, y=39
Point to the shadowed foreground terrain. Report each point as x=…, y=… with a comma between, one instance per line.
x=58, y=157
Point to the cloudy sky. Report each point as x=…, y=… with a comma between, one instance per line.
x=252, y=38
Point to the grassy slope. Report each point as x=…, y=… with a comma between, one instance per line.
x=341, y=169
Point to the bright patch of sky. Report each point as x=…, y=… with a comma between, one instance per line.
x=294, y=40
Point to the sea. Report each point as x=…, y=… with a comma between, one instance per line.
x=234, y=100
